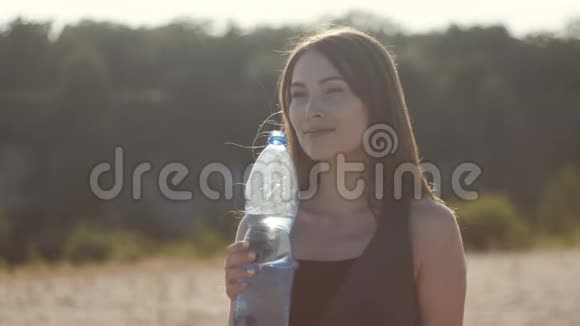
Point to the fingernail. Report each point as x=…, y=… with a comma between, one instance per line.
x=251, y=270
x=252, y=255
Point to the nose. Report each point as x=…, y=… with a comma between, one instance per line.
x=314, y=110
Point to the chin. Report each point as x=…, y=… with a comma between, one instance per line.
x=320, y=154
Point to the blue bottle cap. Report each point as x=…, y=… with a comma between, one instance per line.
x=277, y=137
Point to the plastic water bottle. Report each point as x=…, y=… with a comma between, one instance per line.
x=271, y=206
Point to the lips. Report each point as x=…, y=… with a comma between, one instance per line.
x=318, y=131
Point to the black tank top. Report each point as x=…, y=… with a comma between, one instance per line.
x=377, y=288
x=315, y=283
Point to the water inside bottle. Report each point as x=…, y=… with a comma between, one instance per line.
x=269, y=237
x=271, y=286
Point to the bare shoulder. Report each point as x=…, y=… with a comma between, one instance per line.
x=435, y=234
x=430, y=216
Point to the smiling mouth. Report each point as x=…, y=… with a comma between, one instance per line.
x=318, y=132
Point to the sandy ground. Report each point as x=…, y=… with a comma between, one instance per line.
x=538, y=288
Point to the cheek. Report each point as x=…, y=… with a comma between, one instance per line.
x=353, y=124
x=295, y=120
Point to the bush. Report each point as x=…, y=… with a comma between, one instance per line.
x=205, y=243
x=5, y=234
x=5, y=230
x=4, y=265
x=34, y=257
x=491, y=222
x=177, y=248
x=559, y=210
x=209, y=242
x=87, y=243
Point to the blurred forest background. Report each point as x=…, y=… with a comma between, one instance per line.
x=183, y=92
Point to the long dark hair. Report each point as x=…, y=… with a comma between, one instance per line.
x=371, y=72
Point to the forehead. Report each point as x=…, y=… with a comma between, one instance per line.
x=313, y=66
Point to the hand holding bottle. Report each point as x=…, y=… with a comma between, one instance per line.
x=238, y=255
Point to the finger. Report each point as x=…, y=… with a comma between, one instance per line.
x=235, y=274
x=238, y=246
x=234, y=248
x=234, y=289
x=240, y=258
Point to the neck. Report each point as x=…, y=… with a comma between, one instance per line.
x=343, y=188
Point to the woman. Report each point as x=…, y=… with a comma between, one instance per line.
x=386, y=256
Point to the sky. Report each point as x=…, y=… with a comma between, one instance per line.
x=520, y=17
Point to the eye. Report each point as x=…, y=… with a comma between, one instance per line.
x=334, y=90
x=296, y=94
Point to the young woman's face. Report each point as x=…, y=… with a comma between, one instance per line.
x=326, y=115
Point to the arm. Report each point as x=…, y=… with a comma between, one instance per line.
x=441, y=274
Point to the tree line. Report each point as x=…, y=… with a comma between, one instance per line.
x=181, y=92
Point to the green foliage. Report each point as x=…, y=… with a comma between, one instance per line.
x=69, y=98
x=34, y=257
x=559, y=210
x=5, y=233
x=91, y=243
x=88, y=243
x=25, y=47
x=203, y=244
x=5, y=228
x=209, y=243
x=84, y=74
x=557, y=241
x=179, y=248
x=3, y=265
x=491, y=222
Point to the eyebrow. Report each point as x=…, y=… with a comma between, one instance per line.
x=323, y=80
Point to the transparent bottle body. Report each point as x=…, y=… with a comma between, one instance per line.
x=271, y=207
